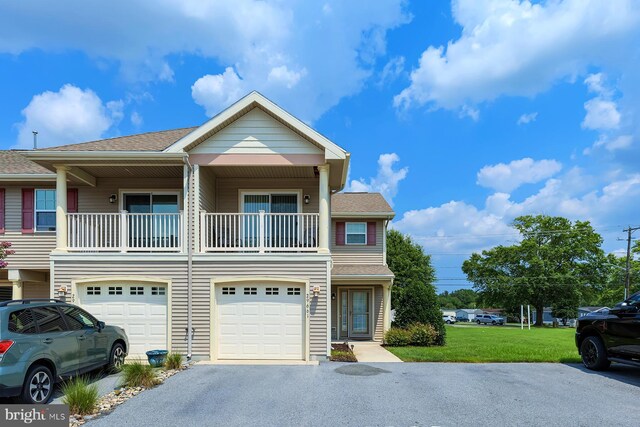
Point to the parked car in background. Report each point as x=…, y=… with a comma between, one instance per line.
x=489, y=319
x=43, y=341
x=610, y=336
x=449, y=320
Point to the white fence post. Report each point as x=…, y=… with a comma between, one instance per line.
x=261, y=234
x=124, y=231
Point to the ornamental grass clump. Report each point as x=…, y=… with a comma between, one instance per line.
x=138, y=374
x=80, y=395
x=173, y=361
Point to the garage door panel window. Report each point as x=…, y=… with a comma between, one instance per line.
x=272, y=291
x=158, y=290
x=48, y=319
x=293, y=291
x=228, y=291
x=94, y=290
x=115, y=290
x=136, y=290
x=250, y=291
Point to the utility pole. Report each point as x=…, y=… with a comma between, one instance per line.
x=627, y=278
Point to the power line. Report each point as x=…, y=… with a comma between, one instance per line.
x=537, y=233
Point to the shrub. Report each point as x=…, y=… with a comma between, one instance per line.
x=138, y=374
x=80, y=395
x=173, y=361
x=397, y=337
x=417, y=303
x=422, y=335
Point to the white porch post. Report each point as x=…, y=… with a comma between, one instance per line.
x=17, y=289
x=386, y=307
x=61, y=208
x=324, y=220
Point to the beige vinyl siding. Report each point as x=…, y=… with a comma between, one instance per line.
x=31, y=250
x=228, y=191
x=207, y=194
x=378, y=313
x=203, y=271
x=358, y=254
x=256, y=133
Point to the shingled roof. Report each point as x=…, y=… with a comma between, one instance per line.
x=360, y=203
x=12, y=162
x=361, y=270
x=150, y=141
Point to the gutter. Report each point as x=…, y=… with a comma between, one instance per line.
x=189, y=261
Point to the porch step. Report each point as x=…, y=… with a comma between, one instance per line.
x=372, y=352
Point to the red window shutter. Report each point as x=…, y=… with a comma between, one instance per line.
x=72, y=200
x=371, y=233
x=340, y=231
x=27, y=210
x=1, y=210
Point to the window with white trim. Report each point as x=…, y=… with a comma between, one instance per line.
x=45, y=210
x=356, y=233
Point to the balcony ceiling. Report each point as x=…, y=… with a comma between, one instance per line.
x=134, y=171
x=262, y=171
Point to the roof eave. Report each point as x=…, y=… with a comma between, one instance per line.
x=75, y=155
x=380, y=215
x=21, y=177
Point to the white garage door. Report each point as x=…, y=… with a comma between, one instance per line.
x=258, y=321
x=139, y=308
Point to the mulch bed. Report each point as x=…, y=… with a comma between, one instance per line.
x=342, y=353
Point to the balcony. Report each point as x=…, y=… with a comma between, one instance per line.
x=124, y=232
x=259, y=232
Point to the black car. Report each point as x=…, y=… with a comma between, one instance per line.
x=614, y=336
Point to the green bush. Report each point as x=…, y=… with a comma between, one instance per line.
x=138, y=374
x=397, y=337
x=422, y=335
x=173, y=361
x=417, y=303
x=80, y=395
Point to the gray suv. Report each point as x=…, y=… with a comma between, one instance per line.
x=489, y=319
x=43, y=341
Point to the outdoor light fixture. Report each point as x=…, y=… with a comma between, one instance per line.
x=307, y=199
x=113, y=198
x=333, y=295
x=316, y=291
x=62, y=291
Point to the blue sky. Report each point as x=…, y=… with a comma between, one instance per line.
x=464, y=114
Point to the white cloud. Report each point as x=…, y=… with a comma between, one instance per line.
x=460, y=227
x=620, y=142
x=216, y=92
x=136, y=119
x=306, y=56
x=527, y=118
x=507, y=177
x=520, y=48
x=601, y=114
x=70, y=115
x=392, y=70
x=386, y=181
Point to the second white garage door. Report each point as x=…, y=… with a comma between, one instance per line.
x=260, y=321
x=139, y=308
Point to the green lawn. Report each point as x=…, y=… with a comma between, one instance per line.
x=478, y=344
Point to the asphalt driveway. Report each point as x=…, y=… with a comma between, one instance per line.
x=390, y=394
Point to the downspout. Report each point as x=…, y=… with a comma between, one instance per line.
x=189, y=261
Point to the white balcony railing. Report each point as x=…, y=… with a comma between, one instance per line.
x=259, y=232
x=124, y=232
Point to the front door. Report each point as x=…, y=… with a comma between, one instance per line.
x=359, y=325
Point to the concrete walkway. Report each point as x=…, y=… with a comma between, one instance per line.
x=372, y=352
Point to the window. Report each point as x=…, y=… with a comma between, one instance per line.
x=356, y=233
x=136, y=290
x=93, y=290
x=158, y=290
x=78, y=319
x=293, y=291
x=48, y=319
x=273, y=291
x=21, y=322
x=228, y=291
x=250, y=291
x=115, y=290
x=45, y=210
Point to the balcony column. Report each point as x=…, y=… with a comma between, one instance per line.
x=61, y=208
x=324, y=214
x=17, y=289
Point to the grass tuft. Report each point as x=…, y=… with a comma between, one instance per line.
x=138, y=374
x=173, y=361
x=342, y=353
x=477, y=344
x=80, y=395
